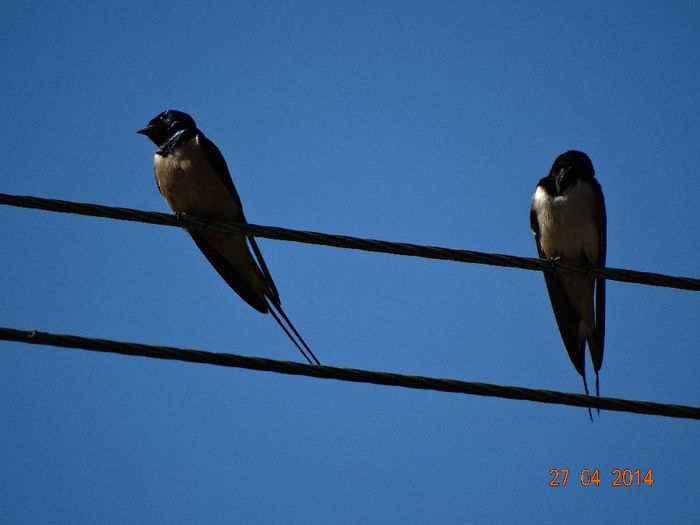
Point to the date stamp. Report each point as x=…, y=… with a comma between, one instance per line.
x=587, y=477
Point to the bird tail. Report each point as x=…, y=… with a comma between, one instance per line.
x=277, y=312
x=599, y=333
x=585, y=387
x=275, y=307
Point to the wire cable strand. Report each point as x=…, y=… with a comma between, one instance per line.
x=349, y=374
x=353, y=243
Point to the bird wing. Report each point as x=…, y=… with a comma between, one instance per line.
x=221, y=250
x=267, y=301
x=221, y=169
x=218, y=162
x=602, y=225
x=564, y=311
x=227, y=253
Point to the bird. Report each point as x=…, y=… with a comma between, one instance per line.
x=192, y=175
x=569, y=222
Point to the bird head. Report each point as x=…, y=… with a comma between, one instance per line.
x=166, y=124
x=570, y=166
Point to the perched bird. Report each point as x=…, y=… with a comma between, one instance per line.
x=192, y=175
x=568, y=219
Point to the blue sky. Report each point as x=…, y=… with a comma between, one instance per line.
x=418, y=122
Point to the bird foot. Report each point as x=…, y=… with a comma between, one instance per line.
x=552, y=261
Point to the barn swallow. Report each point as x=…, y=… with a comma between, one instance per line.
x=192, y=175
x=568, y=218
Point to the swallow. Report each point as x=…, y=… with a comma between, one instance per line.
x=568, y=219
x=192, y=175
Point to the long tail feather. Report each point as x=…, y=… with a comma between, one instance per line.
x=597, y=388
x=263, y=266
x=585, y=387
x=273, y=307
x=301, y=339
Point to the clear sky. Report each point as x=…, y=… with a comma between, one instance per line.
x=420, y=122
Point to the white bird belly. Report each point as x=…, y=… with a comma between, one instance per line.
x=567, y=224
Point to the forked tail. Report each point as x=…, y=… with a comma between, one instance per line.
x=276, y=309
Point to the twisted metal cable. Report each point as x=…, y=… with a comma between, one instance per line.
x=349, y=374
x=355, y=243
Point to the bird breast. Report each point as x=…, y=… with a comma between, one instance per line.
x=190, y=184
x=567, y=223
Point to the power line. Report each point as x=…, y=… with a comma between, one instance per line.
x=349, y=374
x=355, y=243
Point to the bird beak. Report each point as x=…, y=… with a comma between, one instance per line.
x=144, y=131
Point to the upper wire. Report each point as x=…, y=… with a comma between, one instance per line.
x=355, y=243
